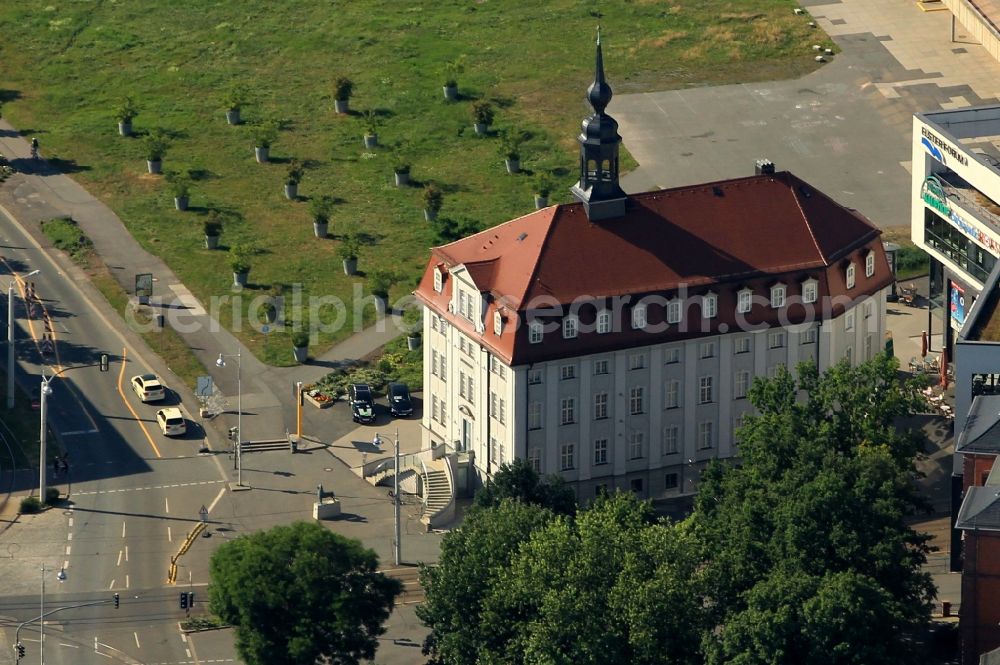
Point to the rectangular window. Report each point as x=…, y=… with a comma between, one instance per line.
x=870, y=264
x=603, y=322
x=670, y=481
x=570, y=325
x=777, y=296
x=600, y=452
x=705, y=390
x=444, y=412
x=600, y=367
x=850, y=276
x=461, y=384
x=535, y=332
x=503, y=411
x=639, y=316
x=849, y=355
x=434, y=322
x=671, y=392
x=434, y=363
x=535, y=415
x=708, y=349
x=494, y=450
x=494, y=405
x=741, y=385
x=775, y=370
x=534, y=376
x=635, y=485
x=567, y=411
x=709, y=306
x=636, y=360
x=742, y=344
x=705, y=435
x=869, y=309
x=671, y=437
x=567, y=457
x=636, y=400
x=809, y=336
x=434, y=407
x=809, y=291
x=567, y=372
x=636, y=445
x=497, y=323
x=849, y=321
x=600, y=406
x=472, y=392
x=461, y=302
x=776, y=339
x=744, y=301
x=671, y=356
x=868, y=347
x=674, y=311
x=497, y=367
x=535, y=459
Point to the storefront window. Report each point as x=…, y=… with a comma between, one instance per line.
x=958, y=247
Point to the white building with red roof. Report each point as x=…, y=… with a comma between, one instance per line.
x=613, y=340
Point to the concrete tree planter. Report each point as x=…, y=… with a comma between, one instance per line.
x=301, y=353
x=350, y=267
x=413, y=342
x=240, y=278
x=371, y=141
x=430, y=215
x=211, y=242
x=402, y=178
x=326, y=509
x=381, y=304
x=233, y=116
x=261, y=153
x=291, y=191
x=321, y=228
x=541, y=201
x=125, y=127
x=341, y=106
x=513, y=164
x=181, y=202
x=450, y=92
x=480, y=128
x=154, y=166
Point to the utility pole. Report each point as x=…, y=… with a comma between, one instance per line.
x=395, y=503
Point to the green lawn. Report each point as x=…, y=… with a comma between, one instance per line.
x=66, y=65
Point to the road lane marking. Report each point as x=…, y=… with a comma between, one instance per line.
x=153, y=487
x=65, y=565
x=136, y=640
x=126, y=581
x=68, y=547
x=119, y=558
x=126, y=553
x=71, y=521
x=69, y=536
x=166, y=504
x=71, y=646
x=123, y=529
x=110, y=586
x=218, y=496
x=78, y=432
x=187, y=652
x=170, y=537
x=135, y=415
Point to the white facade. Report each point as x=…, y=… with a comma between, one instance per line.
x=644, y=418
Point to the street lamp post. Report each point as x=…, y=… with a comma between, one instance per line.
x=221, y=362
x=10, y=340
x=398, y=547
x=44, y=392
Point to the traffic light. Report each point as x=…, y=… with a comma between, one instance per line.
x=20, y=651
x=116, y=601
x=104, y=362
x=184, y=600
x=191, y=599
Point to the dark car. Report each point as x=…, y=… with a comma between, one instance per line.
x=399, y=400
x=362, y=403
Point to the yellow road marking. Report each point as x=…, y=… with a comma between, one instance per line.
x=135, y=415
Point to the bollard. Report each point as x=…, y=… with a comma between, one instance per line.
x=946, y=608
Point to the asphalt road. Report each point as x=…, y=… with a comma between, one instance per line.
x=134, y=494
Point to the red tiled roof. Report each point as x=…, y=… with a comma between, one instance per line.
x=738, y=231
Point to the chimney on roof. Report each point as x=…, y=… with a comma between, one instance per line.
x=763, y=167
x=598, y=188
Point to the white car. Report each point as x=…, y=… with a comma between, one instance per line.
x=148, y=387
x=171, y=421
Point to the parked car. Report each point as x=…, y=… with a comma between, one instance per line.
x=362, y=403
x=148, y=387
x=171, y=421
x=399, y=400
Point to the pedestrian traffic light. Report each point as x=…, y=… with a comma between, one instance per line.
x=184, y=600
x=191, y=599
x=104, y=362
x=20, y=651
x=116, y=601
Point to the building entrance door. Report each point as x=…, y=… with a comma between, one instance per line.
x=466, y=435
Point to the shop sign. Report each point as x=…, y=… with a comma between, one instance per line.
x=936, y=147
x=956, y=298
x=933, y=195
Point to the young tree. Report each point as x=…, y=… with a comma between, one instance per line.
x=300, y=592
x=518, y=480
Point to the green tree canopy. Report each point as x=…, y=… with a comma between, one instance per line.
x=518, y=480
x=300, y=592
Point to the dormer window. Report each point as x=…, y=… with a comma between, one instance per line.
x=810, y=291
x=778, y=296
x=709, y=306
x=438, y=280
x=744, y=301
x=869, y=264
x=674, y=311
x=535, y=332
x=603, y=322
x=639, y=316
x=497, y=323
x=850, y=275
x=570, y=326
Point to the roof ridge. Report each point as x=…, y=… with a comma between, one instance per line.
x=543, y=247
x=805, y=217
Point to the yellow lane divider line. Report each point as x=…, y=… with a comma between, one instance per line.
x=135, y=415
x=172, y=571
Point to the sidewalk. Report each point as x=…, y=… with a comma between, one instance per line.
x=42, y=193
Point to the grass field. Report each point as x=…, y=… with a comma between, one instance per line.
x=66, y=65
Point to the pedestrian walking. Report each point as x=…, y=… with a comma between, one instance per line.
x=56, y=465
x=377, y=441
x=34, y=148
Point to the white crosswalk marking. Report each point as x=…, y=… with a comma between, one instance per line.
x=154, y=487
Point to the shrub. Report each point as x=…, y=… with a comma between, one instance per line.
x=295, y=172
x=483, y=113
x=126, y=110
x=30, y=505
x=380, y=281
x=452, y=69
x=321, y=208
x=543, y=185
x=212, y=225
x=300, y=339
x=239, y=259
x=51, y=496
x=264, y=134
x=180, y=185
x=156, y=144
x=342, y=88
x=236, y=97
x=511, y=141
x=349, y=248
x=433, y=197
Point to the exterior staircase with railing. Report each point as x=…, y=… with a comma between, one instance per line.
x=435, y=482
